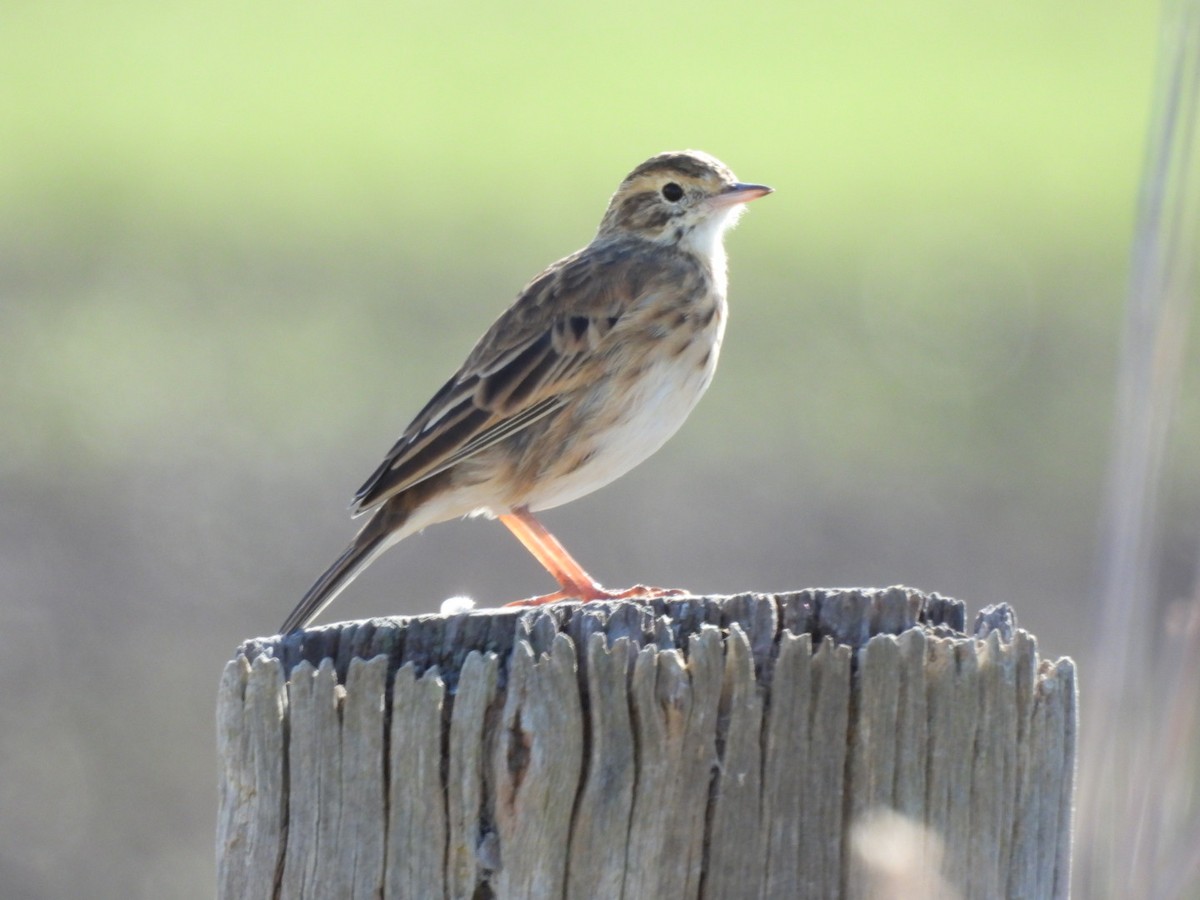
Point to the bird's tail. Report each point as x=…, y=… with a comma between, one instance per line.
x=383, y=530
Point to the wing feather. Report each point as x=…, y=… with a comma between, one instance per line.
x=523, y=368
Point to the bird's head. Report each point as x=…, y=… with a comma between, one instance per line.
x=682, y=197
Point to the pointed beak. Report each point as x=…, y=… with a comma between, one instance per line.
x=740, y=193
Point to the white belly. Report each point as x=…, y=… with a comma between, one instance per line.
x=666, y=394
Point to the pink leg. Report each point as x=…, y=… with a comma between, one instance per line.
x=573, y=581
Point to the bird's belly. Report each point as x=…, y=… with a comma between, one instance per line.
x=637, y=426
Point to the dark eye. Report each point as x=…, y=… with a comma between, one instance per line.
x=672, y=191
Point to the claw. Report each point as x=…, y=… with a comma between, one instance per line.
x=556, y=597
x=595, y=592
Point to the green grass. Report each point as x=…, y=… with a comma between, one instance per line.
x=218, y=211
x=287, y=122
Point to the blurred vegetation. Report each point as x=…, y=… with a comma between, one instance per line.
x=241, y=243
x=201, y=208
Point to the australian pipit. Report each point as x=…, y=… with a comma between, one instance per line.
x=596, y=363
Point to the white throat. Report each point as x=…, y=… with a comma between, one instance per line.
x=707, y=240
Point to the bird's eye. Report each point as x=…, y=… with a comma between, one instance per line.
x=672, y=191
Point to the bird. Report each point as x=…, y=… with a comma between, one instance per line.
x=595, y=364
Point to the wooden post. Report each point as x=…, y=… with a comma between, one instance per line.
x=823, y=744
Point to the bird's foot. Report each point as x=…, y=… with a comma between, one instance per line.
x=593, y=592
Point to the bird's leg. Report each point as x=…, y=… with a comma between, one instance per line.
x=553, y=556
x=573, y=581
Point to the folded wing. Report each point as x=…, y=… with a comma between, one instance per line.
x=524, y=368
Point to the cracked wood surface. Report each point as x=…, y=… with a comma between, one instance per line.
x=716, y=747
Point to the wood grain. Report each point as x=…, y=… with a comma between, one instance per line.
x=822, y=744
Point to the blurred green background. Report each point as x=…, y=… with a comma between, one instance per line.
x=241, y=244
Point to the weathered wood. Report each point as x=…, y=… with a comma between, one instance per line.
x=753, y=746
x=469, y=860
x=736, y=846
x=251, y=711
x=599, y=840
x=314, y=780
x=417, y=825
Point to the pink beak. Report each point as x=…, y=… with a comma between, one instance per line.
x=740, y=193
